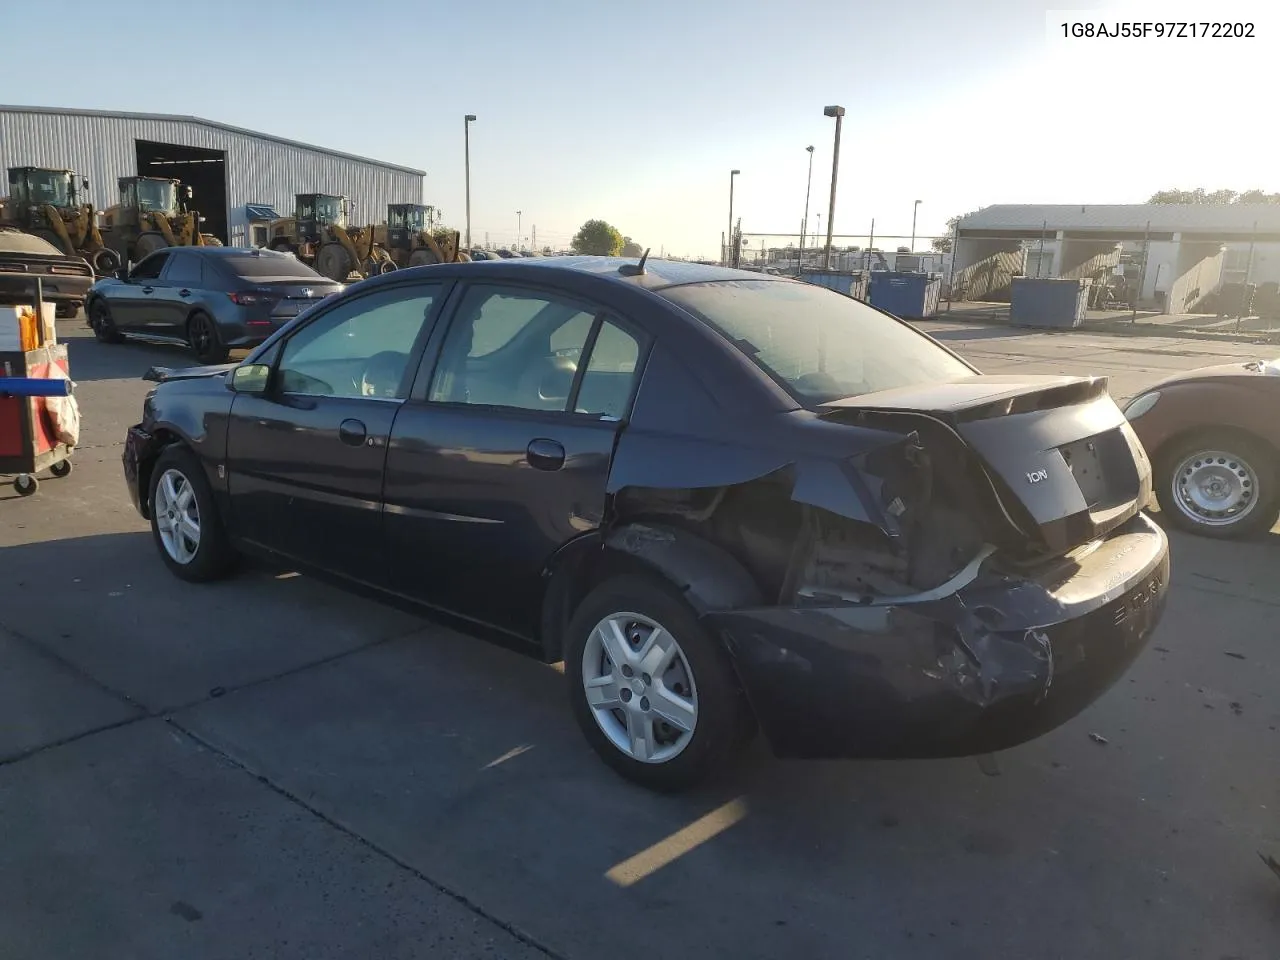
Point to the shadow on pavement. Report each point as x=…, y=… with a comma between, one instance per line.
x=90, y=360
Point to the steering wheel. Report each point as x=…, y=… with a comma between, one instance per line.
x=382, y=374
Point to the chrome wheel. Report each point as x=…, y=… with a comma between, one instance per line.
x=640, y=687
x=177, y=516
x=1214, y=488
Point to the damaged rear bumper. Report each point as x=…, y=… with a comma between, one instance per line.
x=998, y=663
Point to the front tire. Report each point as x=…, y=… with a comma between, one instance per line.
x=104, y=328
x=652, y=691
x=1218, y=483
x=185, y=523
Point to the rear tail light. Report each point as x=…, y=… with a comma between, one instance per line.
x=247, y=299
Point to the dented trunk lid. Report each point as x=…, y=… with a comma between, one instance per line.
x=1060, y=454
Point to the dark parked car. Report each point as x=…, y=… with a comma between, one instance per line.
x=24, y=257
x=721, y=499
x=213, y=298
x=1213, y=436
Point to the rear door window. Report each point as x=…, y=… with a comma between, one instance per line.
x=185, y=269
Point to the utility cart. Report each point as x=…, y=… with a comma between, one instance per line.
x=38, y=420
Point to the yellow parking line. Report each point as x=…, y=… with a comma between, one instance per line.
x=636, y=868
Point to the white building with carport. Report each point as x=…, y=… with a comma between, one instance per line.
x=1178, y=253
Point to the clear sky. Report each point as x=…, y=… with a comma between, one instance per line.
x=635, y=112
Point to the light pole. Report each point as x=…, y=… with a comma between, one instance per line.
x=519, y=230
x=838, y=113
x=804, y=226
x=915, y=208
x=466, y=139
x=728, y=256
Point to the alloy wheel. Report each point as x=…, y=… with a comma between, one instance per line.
x=640, y=687
x=177, y=516
x=1215, y=488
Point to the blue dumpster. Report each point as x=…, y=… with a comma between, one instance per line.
x=1048, y=303
x=910, y=295
x=850, y=284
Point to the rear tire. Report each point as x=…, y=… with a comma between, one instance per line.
x=100, y=322
x=1190, y=470
x=698, y=672
x=206, y=343
x=181, y=501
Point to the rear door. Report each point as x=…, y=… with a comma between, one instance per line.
x=305, y=461
x=502, y=453
x=133, y=302
x=179, y=289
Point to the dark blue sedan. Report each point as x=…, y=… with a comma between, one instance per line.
x=213, y=299
x=723, y=500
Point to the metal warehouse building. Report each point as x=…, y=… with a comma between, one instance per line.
x=240, y=179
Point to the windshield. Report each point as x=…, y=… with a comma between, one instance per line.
x=157, y=196
x=44, y=186
x=819, y=344
x=329, y=210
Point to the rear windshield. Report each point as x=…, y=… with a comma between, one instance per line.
x=275, y=267
x=819, y=344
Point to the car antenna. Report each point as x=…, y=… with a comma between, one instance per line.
x=635, y=270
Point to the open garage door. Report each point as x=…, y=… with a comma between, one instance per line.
x=204, y=171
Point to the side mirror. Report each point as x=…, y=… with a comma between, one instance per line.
x=187, y=192
x=250, y=378
x=85, y=183
x=122, y=272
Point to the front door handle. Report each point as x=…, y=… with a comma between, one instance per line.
x=352, y=433
x=184, y=293
x=148, y=289
x=545, y=454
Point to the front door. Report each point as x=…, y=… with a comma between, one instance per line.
x=305, y=460
x=502, y=454
x=133, y=302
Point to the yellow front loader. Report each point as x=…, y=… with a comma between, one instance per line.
x=150, y=216
x=319, y=236
x=47, y=203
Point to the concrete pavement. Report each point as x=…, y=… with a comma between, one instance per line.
x=271, y=767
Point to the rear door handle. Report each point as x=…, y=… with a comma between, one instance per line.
x=148, y=290
x=184, y=293
x=352, y=433
x=545, y=454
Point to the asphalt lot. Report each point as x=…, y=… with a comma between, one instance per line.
x=270, y=767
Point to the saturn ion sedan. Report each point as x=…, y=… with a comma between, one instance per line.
x=727, y=502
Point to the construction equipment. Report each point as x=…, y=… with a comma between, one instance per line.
x=153, y=213
x=48, y=203
x=411, y=241
x=318, y=235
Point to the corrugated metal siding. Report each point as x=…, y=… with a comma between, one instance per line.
x=258, y=170
x=1164, y=218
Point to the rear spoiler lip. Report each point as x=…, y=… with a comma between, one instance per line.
x=1026, y=398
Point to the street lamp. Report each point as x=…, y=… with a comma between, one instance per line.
x=804, y=225
x=728, y=258
x=915, y=208
x=838, y=113
x=466, y=137
x=519, y=230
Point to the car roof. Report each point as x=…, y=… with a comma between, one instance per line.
x=230, y=251
x=15, y=241
x=658, y=274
